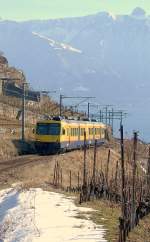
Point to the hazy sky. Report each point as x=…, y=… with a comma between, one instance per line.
x=43, y=9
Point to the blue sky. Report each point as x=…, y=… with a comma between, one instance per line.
x=44, y=9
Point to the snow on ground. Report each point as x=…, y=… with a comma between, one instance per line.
x=39, y=216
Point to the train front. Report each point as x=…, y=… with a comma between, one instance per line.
x=47, y=137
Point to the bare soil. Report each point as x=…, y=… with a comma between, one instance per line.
x=34, y=169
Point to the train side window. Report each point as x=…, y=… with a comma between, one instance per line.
x=63, y=131
x=83, y=131
x=78, y=131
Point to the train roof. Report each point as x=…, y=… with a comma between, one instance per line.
x=69, y=120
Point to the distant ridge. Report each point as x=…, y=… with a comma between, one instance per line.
x=113, y=64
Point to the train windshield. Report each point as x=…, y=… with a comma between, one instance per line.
x=48, y=129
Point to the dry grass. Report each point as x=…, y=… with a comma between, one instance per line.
x=38, y=171
x=41, y=168
x=7, y=149
x=142, y=232
x=106, y=214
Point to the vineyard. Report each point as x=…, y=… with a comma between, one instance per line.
x=127, y=184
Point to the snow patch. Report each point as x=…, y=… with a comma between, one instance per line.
x=142, y=167
x=39, y=216
x=57, y=45
x=114, y=17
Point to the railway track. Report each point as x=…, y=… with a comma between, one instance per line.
x=27, y=169
x=13, y=124
x=10, y=124
x=19, y=161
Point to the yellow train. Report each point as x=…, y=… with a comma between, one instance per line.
x=57, y=135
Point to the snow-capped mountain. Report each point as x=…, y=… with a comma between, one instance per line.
x=102, y=55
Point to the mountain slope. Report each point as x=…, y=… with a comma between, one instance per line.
x=102, y=55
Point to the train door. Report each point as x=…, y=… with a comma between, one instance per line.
x=69, y=135
x=93, y=133
x=79, y=133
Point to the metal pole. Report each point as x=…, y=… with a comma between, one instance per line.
x=88, y=110
x=109, y=117
x=100, y=116
x=70, y=179
x=123, y=199
x=121, y=117
x=106, y=114
x=84, y=165
x=84, y=187
x=23, y=111
x=94, y=164
x=112, y=124
x=78, y=179
x=107, y=167
x=60, y=105
x=148, y=173
x=122, y=168
x=133, y=180
x=61, y=177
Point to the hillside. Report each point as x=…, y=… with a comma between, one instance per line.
x=10, y=111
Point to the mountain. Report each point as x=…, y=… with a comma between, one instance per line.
x=100, y=55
